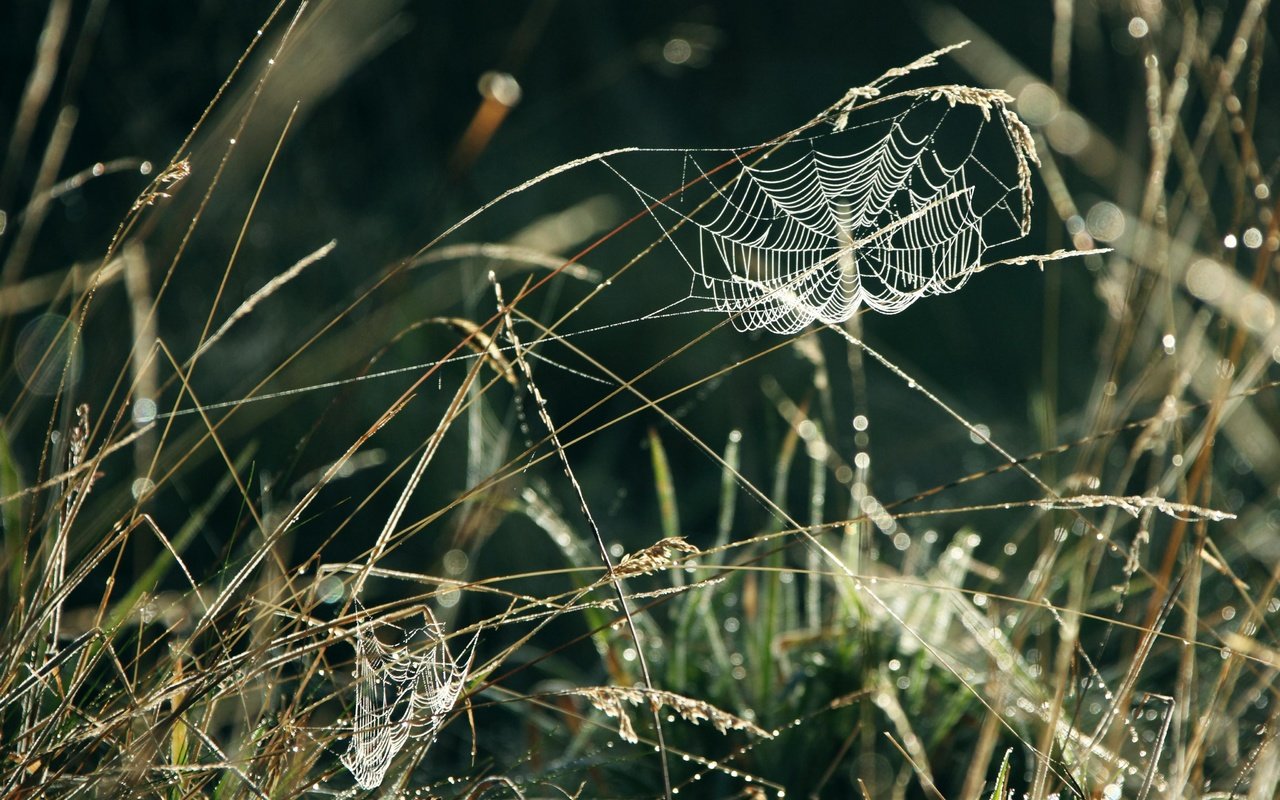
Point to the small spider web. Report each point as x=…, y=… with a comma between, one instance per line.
x=400, y=695
x=879, y=213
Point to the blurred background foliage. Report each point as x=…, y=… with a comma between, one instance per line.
x=375, y=160
x=398, y=118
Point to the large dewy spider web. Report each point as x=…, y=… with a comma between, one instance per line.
x=879, y=200
x=879, y=213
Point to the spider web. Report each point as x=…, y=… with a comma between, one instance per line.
x=901, y=203
x=400, y=695
x=878, y=213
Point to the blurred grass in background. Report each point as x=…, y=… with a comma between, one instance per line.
x=177, y=616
